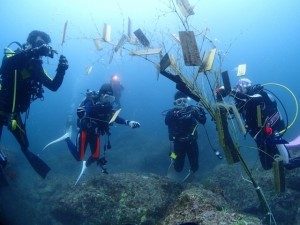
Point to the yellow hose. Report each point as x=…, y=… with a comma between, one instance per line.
x=295, y=99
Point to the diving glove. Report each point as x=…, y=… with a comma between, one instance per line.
x=63, y=65
x=133, y=124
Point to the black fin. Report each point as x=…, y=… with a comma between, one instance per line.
x=38, y=164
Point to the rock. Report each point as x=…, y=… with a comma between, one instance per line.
x=204, y=207
x=117, y=199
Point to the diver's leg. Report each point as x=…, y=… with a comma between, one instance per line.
x=94, y=141
x=179, y=150
x=20, y=134
x=82, y=143
x=193, y=156
x=266, y=154
x=72, y=148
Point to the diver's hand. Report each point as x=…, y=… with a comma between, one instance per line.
x=63, y=65
x=133, y=124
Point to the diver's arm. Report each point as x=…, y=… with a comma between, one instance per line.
x=171, y=115
x=54, y=84
x=120, y=120
x=199, y=114
x=131, y=123
x=239, y=95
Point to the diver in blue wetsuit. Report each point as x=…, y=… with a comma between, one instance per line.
x=182, y=122
x=94, y=118
x=263, y=122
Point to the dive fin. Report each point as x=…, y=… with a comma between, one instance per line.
x=62, y=138
x=3, y=181
x=171, y=174
x=82, y=171
x=189, y=177
x=277, y=141
x=73, y=149
x=38, y=164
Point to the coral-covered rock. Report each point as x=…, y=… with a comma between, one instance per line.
x=204, y=207
x=117, y=199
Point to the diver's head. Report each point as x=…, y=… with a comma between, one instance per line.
x=180, y=100
x=37, y=38
x=106, y=94
x=243, y=85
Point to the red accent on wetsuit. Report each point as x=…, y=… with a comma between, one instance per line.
x=82, y=144
x=96, y=153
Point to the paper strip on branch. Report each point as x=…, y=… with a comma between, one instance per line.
x=185, y=7
x=241, y=70
x=129, y=29
x=165, y=62
x=176, y=38
x=149, y=51
x=121, y=42
x=208, y=59
x=106, y=32
x=141, y=37
x=97, y=43
x=189, y=47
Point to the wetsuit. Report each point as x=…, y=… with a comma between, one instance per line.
x=262, y=120
x=22, y=81
x=91, y=125
x=182, y=127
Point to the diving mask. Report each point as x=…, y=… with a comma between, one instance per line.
x=243, y=85
x=181, y=102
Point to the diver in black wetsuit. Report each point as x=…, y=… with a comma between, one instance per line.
x=182, y=122
x=22, y=81
x=263, y=122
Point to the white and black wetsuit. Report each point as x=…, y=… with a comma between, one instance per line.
x=260, y=113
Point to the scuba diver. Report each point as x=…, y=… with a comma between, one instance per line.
x=264, y=123
x=95, y=115
x=22, y=81
x=117, y=87
x=182, y=122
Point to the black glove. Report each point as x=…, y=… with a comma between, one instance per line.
x=63, y=65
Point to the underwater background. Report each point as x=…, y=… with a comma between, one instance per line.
x=262, y=34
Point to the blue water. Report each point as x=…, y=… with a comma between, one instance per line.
x=263, y=34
